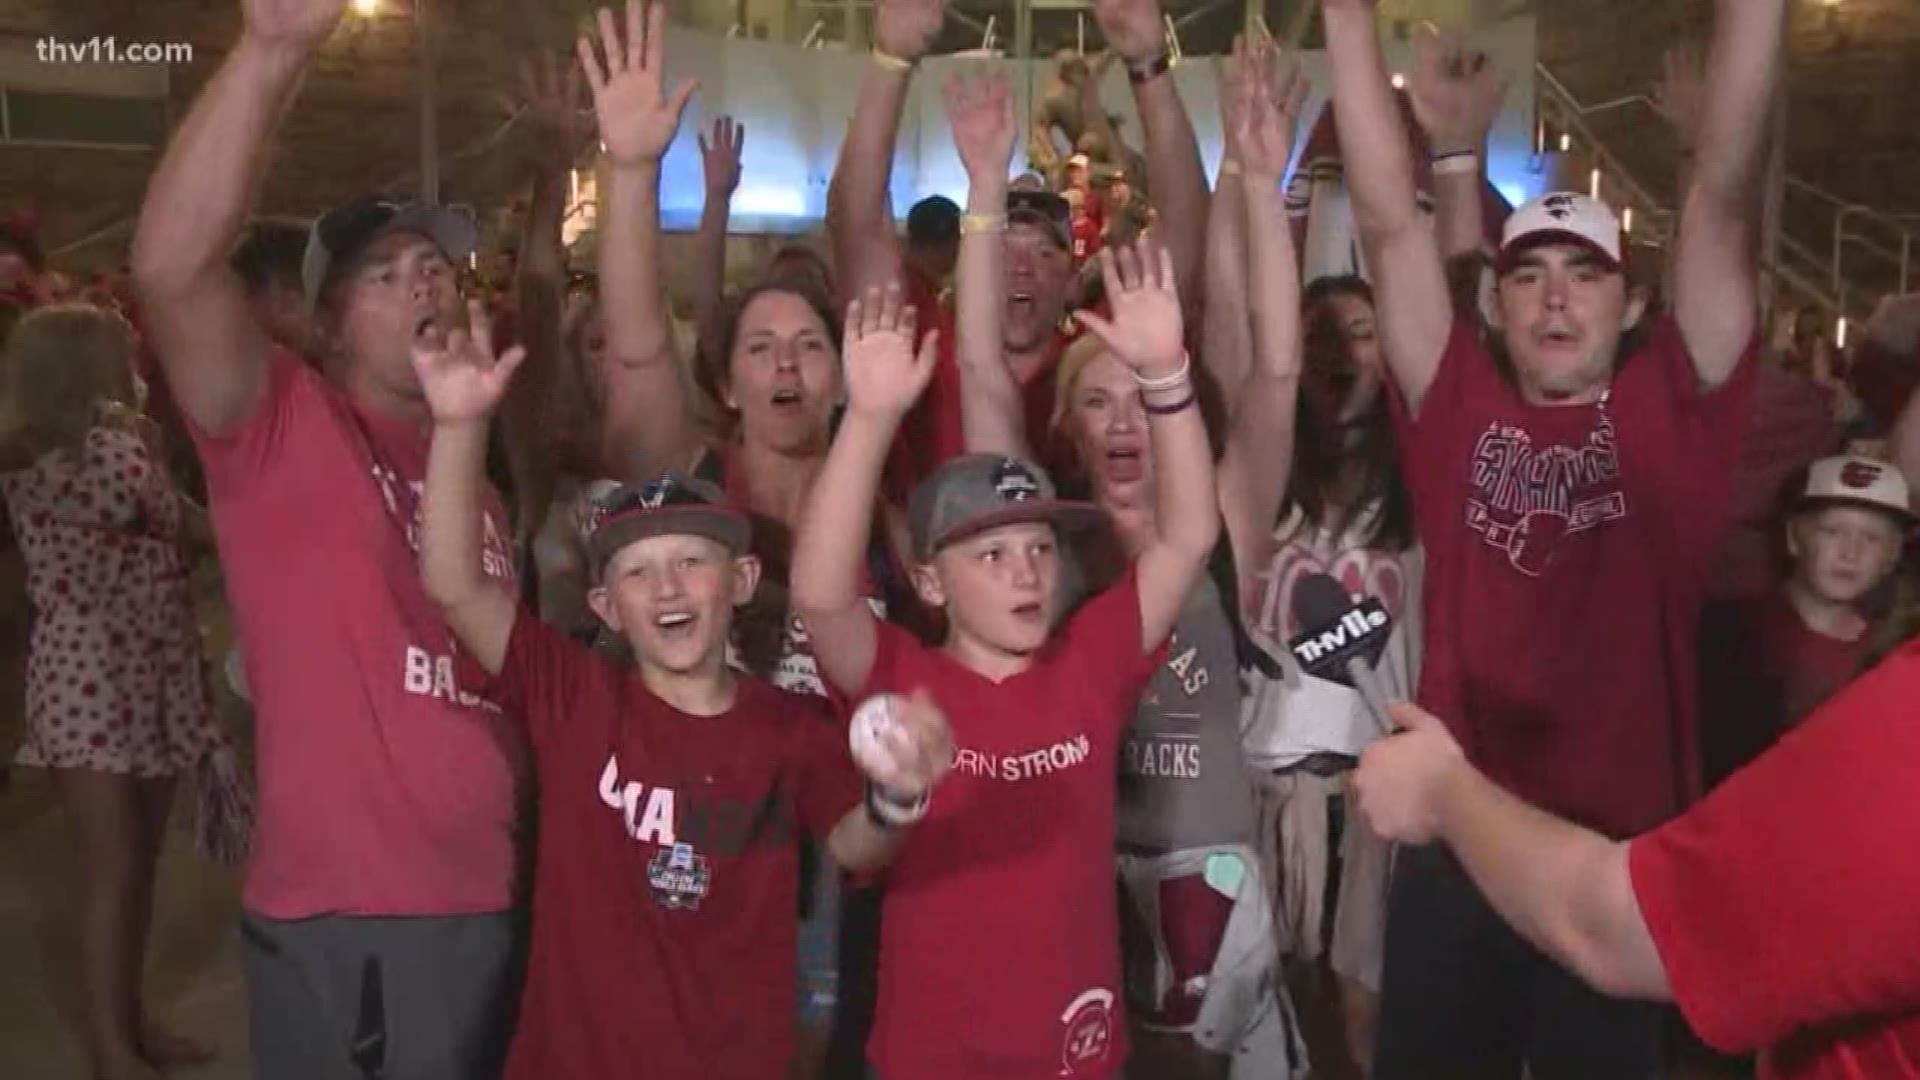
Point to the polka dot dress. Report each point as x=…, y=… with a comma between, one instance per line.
x=114, y=677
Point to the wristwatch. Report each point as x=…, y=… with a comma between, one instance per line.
x=888, y=812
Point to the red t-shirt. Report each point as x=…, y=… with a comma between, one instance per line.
x=1763, y=670
x=1784, y=906
x=1567, y=553
x=385, y=788
x=931, y=433
x=668, y=876
x=999, y=947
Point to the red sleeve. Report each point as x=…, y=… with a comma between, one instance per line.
x=1428, y=458
x=1697, y=433
x=830, y=783
x=1787, y=898
x=254, y=446
x=540, y=680
x=1101, y=642
x=899, y=664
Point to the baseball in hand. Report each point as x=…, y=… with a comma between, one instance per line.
x=875, y=717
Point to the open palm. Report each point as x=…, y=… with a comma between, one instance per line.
x=637, y=117
x=884, y=373
x=980, y=108
x=293, y=22
x=906, y=28
x=1456, y=93
x=1133, y=28
x=720, y=155
x=462, y=379
x=1146, y=331
x=554, y=98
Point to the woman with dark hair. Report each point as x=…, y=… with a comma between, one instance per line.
x=1347, y=516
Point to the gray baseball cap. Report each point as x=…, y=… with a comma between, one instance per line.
x=976, y=492
x=668, y=505
x=342, y=233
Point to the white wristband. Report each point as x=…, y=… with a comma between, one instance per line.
x=1167, y=382
x=1456, y=164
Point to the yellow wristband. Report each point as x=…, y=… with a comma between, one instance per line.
x=982, y=223
x=889, y=62
x=1229, y=167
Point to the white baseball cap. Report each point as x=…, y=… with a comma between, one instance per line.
x=1858, y=481
x=1562, y=217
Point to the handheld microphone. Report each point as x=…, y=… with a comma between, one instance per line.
x=1342, y=640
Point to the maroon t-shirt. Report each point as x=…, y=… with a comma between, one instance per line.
x=666, y=890
x=1764, y=670
x=1567, y=553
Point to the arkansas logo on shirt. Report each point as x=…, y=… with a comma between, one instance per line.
x=1525, y=501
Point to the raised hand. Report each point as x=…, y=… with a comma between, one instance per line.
x=297, y=23
x=1269, y=113
x=462, y=379
x=637, y=117
x=1677, y=97
x=1133, y=28
x=1145, y=332
x=980, y=108
x=915, y=748
x=884, y=375
x=1456, y=93
x=560, y=126
x=905, y=29
x=720, y=155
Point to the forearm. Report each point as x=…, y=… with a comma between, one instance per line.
x=538, y=288
x=1259, y=458
x=1185, y=498
x=1563, y=888
x=204, y=186
x=639, y=335
x=991, y=415
x=1743, y=72
x=857, y=845
x=710, y=270
x=826, y=558
x=1175, y=175
x=859, y=211
x=1226, y=337
x=450, y=548
x=1373, y=141
x=1460, y=220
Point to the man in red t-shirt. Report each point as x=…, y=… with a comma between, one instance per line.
x=1778, y=912
x=664, y=937
x=1570, y=482
x=1000, y=952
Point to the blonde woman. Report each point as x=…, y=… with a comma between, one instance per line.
x=117, y=706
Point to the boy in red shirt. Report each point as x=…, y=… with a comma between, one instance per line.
x=667, y=881
x=1780, y=655
x=1000, y=941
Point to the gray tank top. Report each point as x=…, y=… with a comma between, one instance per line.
x=1183, y=779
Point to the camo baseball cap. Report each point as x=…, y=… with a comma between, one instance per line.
x=976, y=492
x=670, y=504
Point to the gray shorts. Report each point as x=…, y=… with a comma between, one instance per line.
x=387, y=998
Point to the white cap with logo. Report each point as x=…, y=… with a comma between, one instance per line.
x=1859, y=481
x=1562, y=217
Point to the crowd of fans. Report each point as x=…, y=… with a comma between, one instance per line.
x=886, y=664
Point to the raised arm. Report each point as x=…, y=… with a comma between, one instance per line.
x=991, y=413
x=1136, y=31
x=560, y=131
x=1226, y=336
x=463, y=384
x=637, y=123
x=884, y=377
x=866, y=252
x=1402, y=255
x=214, y=355
x=1253, y=474
x=1715, y=288
x=1904, y=440
x=1146, y=334
x=720, y=161
x=1565, y=889
x=1456, y=98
